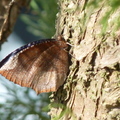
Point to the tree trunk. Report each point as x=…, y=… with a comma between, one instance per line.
x=92, y=90
x=9, y=11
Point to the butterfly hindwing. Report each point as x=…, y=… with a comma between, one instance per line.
x=40, y=65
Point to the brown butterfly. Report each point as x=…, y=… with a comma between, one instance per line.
x=41, y=65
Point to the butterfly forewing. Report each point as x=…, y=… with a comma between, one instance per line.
x=42, y=66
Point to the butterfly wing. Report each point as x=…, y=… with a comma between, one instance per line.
x=40, y=65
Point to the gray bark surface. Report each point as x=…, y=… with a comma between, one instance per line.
x=92, y=90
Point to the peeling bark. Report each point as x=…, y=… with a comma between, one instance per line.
x=92, y=90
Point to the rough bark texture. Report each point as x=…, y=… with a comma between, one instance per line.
x=9, y=11
x=92, y=90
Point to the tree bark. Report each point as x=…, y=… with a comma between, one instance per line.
x=9, y=11
x=92, y=90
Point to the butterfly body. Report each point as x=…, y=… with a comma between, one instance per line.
x=41, y=65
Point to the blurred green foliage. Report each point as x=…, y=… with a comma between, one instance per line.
x=41, y=20
x=111, y=5
x=114, y=5
x=22, y=103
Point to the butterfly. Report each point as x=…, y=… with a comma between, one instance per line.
x=41, y=65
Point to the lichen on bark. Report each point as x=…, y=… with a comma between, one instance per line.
x=92, y=90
